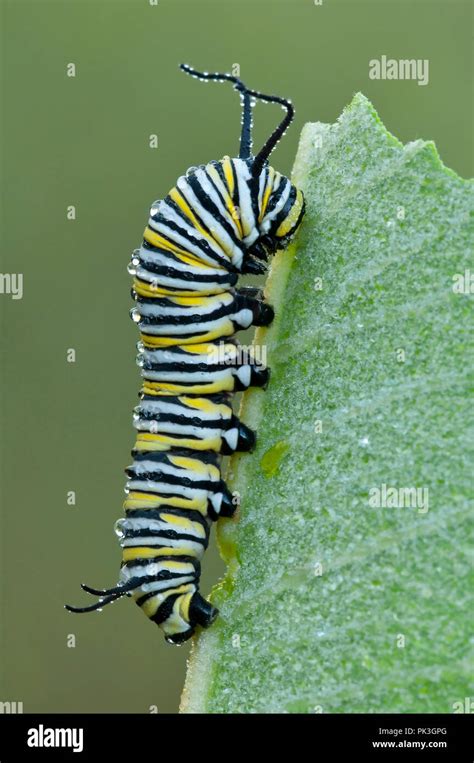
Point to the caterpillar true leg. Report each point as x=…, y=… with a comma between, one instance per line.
x=221, y=220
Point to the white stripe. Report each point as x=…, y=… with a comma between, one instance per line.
x=169, y=428
x=196, y=377
x=163, y=488
x=223, y=325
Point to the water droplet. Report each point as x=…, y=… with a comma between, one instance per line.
x=135, y=315
x=170, y=641
x=131, y=268
x=154, y=426
x=364, y=441
x=118, y=528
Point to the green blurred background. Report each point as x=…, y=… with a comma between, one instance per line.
x=84, y=141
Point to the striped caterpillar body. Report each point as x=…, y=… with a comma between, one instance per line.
x=220, y=220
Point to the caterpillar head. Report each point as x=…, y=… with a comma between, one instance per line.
x=277, y=206
x=281, y=208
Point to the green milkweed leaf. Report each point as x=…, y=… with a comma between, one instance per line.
x=348, y=568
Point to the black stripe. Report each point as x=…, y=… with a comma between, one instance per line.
x=253, y=185
x=170, y=272
x=164, y=534
x=236, y=195
x=175, y=480
x=164, y=457
x=165, y=608
x=175, y=319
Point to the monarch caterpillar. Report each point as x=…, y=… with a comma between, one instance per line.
x=221, y=219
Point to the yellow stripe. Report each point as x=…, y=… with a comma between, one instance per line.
x=290, y=220
x=184, y=524
x=143, y=445
x=175, y=194
x=266, y=193
x=193, y=464
x=205, y=349
x=228, y=200
x=187, y=258
x=165, y=442
x=151, y=605
x=184, y=602
x=202, y=300
x=190, y=259
x=145, y=552
x=201, y=404
x=221, y=385
x=174, y=623
x=137, y=500
x=229, y=175
x=149, y=340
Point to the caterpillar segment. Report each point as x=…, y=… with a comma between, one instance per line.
x=220, y=220
x=198, y=423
